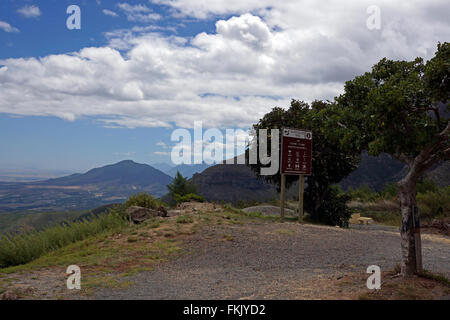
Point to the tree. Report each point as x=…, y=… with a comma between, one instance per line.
x=400, y=108
x=180, y=187
x=330, y=162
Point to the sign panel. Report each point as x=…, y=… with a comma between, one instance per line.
x=296, y=151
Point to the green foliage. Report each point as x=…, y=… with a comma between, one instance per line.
x=20, y=249
x=390, y=191
x=184, y=219
x=426, y=185
x=188, y=197
x=393, y=108
x=26, y=221
x=331, y=163
x=333, y=211
x=434, y=204
x=181, y=186
x=143, y=200
x=182, y=190
x=363, y=193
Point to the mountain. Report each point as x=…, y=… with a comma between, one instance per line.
x=188, y=170
x=232, y=183
x=374, y=172
x=162, y=166
x=123, y=173
x=109, y=184
x=378, y=171
x=440, y=174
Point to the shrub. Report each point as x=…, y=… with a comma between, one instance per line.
x=188, y=197
x=390, y=190
x=143, y=200
x=20, y=249
x=426, y=185
x=363, y=192
x=333, y=209
x=434, y=204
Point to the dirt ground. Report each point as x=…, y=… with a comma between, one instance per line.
x=263, y=260
x=280, y=261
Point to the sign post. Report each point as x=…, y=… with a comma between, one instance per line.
x=300, y=198
x=296, y=159
x=283, y=185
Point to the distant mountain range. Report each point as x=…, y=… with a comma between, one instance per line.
x=227, y=183
x=186, y=170
x=376, y=172
x=233, y=183
x=109, y=184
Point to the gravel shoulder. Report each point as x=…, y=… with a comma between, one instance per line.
x=277, y=261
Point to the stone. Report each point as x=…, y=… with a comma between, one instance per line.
x=138, y=215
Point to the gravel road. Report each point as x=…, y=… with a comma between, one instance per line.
x=274, y=261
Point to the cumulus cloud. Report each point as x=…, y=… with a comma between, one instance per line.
x=259, y=58
x=32, y=11
x=110, y=13
x=5, y=26
x=139, y=12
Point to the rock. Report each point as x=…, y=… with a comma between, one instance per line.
x=163, y=211
x=10, y=295
x=140, y=214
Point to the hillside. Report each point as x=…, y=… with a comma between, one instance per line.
x=100, y=186
x=187, y=170
x=233, y=183
x=377, y=171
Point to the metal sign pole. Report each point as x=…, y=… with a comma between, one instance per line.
x=300, y=198
x=283, y=184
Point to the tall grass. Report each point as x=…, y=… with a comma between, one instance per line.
x=21, y=249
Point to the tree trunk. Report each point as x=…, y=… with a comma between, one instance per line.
x=407, y=195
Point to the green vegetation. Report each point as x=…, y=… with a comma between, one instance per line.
x=27, y=221
x=334, y=210
x=434, y=204
x=398, y=108
x=383, y=206
x=181, y=190
x=189, y=197
x=331, y=163
x=143, y=199
x=184, y=219
x=20, y=249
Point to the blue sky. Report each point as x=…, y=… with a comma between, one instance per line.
x=138, y=69
x=54, y=143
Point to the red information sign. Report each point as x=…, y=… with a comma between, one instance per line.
x=296, y=151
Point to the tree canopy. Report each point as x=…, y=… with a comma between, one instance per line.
x=331, y=163
x=400, y=108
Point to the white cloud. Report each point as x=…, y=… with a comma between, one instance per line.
x=139, y=12
x=32, y=11
x=5, y=26
x=110, y=13
x=161, y=153
x=228, y=78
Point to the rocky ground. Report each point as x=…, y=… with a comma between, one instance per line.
x=278, y=261
x=227, y=255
